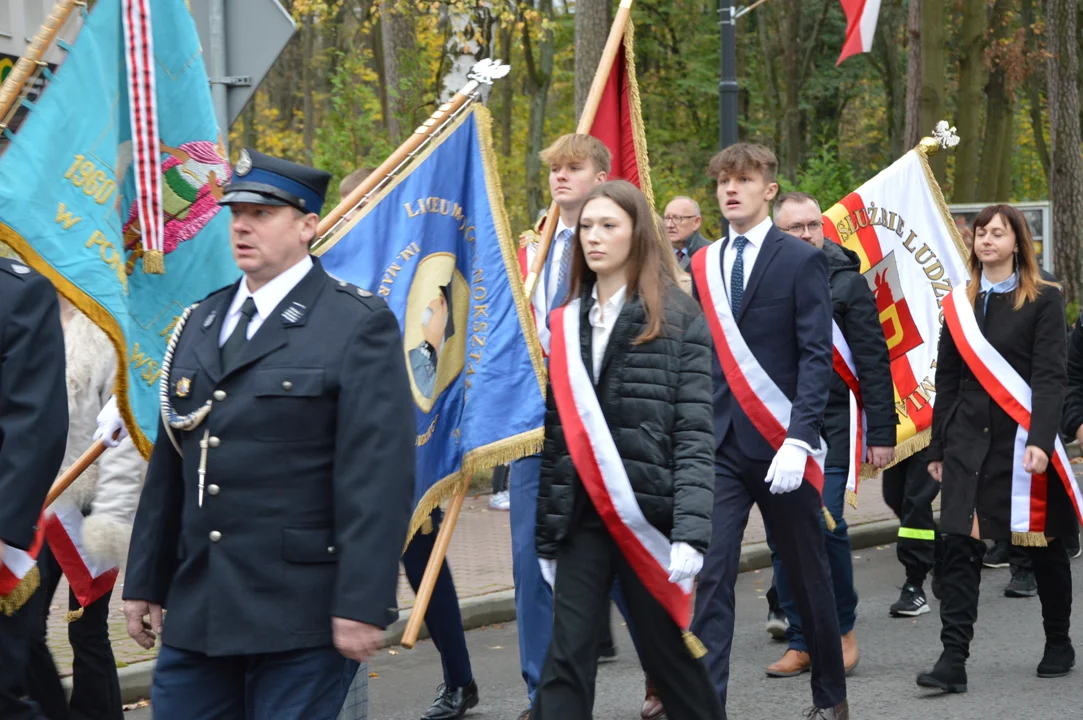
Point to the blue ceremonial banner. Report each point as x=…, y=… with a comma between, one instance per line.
x=436, y=245
x=67, y=195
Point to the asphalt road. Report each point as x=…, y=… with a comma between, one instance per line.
x=1005, y=653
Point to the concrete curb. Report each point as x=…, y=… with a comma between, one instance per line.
x=499, y=607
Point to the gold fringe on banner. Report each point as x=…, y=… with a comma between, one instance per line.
x=851, y=499
x=99, y=315
x=154, y=262
x=73, y=615
x=694, y=645
x=1029, y=539
x=829, y=520
x=15, y=599
x=639, y=136
x=904, y=450
x=941, y=203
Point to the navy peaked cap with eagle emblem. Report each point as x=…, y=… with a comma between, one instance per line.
x=264, y=180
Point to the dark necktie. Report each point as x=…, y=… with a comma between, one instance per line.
x=563, y=271
x=680, y=255
x=235, y=343
x=737, y=276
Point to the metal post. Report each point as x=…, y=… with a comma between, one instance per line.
x=219, y=90
x=727, y=85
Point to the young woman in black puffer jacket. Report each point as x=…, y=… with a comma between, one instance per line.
x=636, y=378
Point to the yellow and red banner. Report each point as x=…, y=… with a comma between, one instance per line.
x=911, y=256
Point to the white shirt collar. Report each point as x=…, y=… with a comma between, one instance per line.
x=609, y=312
x=755, y=235
x=268, y=297
x=561, y=227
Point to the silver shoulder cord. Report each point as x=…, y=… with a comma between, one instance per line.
x=170, y=419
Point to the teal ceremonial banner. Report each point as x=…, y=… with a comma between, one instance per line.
x=67, y=194
x=435, y=244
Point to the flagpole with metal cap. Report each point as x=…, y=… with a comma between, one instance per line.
x=586, y=121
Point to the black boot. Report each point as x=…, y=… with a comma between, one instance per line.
x=1053, y=571
x=949, y=674
x=960, y=577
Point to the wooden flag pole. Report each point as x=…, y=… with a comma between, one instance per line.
x=432, y=570
x=586, y=121
x=32, y=61
x=77, y=468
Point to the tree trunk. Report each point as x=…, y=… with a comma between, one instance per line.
x=998, y=115
x=1033, y=88
x=933, y=77
x=397, y=29
x=468, y=42
x=912, y=132
x=308, y=107
x=1066, y=173
x=887, y=62
x=507, y=89
x=791, y=108
x=971, y=83
x=539, y=75
x=773, y=95
x=591, y=31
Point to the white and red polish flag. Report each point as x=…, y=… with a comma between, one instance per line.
x=89, y=578
x=861, y=16
x=16, y=581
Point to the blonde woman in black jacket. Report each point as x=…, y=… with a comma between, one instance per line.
x=627, y=469
x=1001, y=361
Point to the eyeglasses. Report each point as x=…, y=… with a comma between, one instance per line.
x=799, y=228
x=678, y=219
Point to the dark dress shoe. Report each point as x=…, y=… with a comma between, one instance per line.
x=525, y=715
x=948, y=675
x=839, y=712
x=452, y=703
x=652, y=704
x=1057, y=661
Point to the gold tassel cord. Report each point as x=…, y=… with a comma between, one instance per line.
x=73, y=615
x=829, y=520
x=15, y=599
x=1029, y=539
x=695, y=645
x=639, y=136
x=154, y=262
x=851, y=499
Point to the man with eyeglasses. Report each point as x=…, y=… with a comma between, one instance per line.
x=683, y=221
x=855, y=313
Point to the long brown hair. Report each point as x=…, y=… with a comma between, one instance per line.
x=1026, y=261
x=651, y=268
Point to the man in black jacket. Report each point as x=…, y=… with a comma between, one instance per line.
x=682, y=224
x=33, y=434
x=854, y=311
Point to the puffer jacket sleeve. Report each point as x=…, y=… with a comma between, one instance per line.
x=544, y=544
x=121, y=470
x=693, y=438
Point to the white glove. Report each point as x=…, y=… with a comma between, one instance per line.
x=787, y=470
x=684, y=562
x=108, y=423
x=548, y=571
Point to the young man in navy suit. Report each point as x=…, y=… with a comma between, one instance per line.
x=777, y=298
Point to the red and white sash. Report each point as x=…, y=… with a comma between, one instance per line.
x=90, y=579
x=16, y=566
x=859, y=423
x=600, y=468
x=759, y=397
x=1008, y=389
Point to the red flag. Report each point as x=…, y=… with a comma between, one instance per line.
x=861, y=16
x=619, y=120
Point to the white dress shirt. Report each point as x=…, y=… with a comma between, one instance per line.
x=602, y=319
x=556, y=249
x=267, y=298
x=755, y=237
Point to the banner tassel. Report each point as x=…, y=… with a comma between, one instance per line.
x=154, y=262
x=829, y=521
x=73, y=615
x=851, y=499
x=1029, y=539
x=15, y=599
x=694, y=645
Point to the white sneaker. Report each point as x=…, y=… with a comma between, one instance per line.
x=500, y=501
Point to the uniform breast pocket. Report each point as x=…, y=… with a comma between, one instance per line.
x=290, y=404
x=185, y=390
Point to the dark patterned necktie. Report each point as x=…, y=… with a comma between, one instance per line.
x=737, y=276
x=235, y=343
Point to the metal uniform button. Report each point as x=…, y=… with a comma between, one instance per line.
x=212, y=489
x=219, y=395
x=287, y=385
x=214, y=442
x=986, y=431
x=331, y=550
x=215, y=536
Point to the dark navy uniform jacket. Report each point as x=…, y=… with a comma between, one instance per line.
x=33, y=399
x=309, y=477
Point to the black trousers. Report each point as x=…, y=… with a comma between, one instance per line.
x=794, y=522
x=587, y=562
x=96, y=687
x=14, y=649
x=909, y=490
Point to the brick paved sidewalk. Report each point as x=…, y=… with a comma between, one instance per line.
x=480, y=557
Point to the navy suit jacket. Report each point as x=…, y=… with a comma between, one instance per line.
x=785, y=318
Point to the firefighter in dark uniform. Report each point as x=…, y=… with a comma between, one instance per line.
x=278, y=496
x=33, y=435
